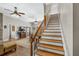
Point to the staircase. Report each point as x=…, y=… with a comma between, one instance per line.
x=50, y=43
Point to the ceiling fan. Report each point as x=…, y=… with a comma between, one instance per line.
x=16, y=12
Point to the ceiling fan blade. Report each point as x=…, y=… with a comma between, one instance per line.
x=18, y=14
x=21, y=13
x=15, y=12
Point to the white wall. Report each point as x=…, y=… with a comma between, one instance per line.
x=66, y=17
x=13, y=22
x=54, y=9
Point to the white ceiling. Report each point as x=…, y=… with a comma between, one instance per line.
x=32, y=10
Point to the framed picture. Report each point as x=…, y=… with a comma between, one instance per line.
x=13, y=28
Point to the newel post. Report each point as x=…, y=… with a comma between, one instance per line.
x=44, y=22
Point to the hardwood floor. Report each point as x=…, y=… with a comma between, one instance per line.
x=22, y=49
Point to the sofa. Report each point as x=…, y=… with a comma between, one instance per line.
x=7, y=47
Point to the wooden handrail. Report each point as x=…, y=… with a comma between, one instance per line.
x=38, y=29
x=32, y=38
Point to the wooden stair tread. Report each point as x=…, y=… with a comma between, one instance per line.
x=51, y=32
x=52, y=35
x=51, y=40
x=52, y=26
x=45, y=53
x=51, y=46
x=52, y=29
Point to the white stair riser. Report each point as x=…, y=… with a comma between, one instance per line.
x=52, y=33
x=50, y=50
x=54, y=25
x=53, y=28
x=48, y=37
x=53, y=22
x=52, y=43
